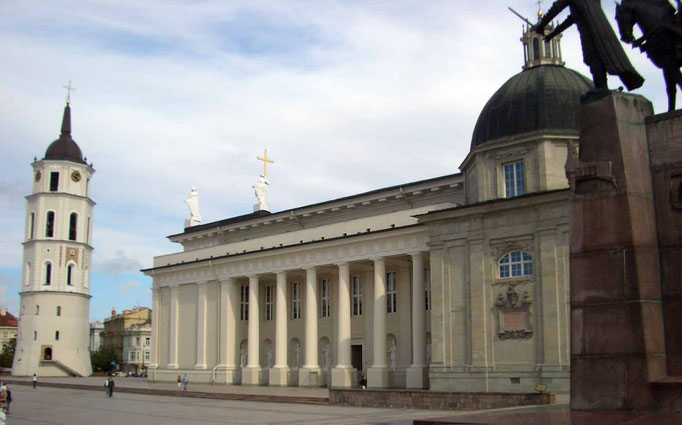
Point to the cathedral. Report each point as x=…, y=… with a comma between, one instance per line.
x=455, y=283
x=55, y=292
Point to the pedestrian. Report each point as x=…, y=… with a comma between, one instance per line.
x=179, y=382
x=363, y=381
x=8, y=394
x=106, y=386
x=111, y=386
x=35, y=381
x=185, y=380
x=3, y=417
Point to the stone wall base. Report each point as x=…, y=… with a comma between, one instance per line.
x=435, y=399
x=508, y=381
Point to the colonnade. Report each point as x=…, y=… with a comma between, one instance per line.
x=342, y=374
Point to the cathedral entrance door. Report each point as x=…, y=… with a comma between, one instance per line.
x=356, y=356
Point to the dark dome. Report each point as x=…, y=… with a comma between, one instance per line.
x=545, y=97
x=64, y=148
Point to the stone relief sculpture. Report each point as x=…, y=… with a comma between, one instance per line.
x=513, y=314
x=193, y=205
x=602, y=52
x=662, y=37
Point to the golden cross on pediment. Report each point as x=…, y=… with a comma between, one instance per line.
x=265, y=162
x=69, y=89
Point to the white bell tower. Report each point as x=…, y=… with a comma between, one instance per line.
x=55, y=288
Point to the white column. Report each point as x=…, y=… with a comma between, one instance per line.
x=377, y=374
x=173, y=325
x=229, y=301
x=279, y=374
x=156, y=314
x=201, y=326
x=251, y=373
x=416, y=373
x=309, y=374
x=344, y=373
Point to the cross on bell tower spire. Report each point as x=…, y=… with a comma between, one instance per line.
x=69, y=89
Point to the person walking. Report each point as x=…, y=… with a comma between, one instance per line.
x=35, y=381
x=179, y=382
x=185, y=381
x=111, y=387
x=106, y=386
x=8, y=394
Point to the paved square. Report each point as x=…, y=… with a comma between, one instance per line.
x=66, y=406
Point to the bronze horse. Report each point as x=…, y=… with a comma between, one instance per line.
x=662, y=37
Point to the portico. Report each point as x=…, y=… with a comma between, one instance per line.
x=310, y=297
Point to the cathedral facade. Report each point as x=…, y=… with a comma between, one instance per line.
x=454, y=283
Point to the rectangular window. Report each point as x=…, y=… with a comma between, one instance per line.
x=137, y=341
x=244, y=304
x=296, y=300
x=54, y=181
x=357, y=295
x=147, y=341
x=48, y=274
x=131, y=356
x=514, y=179
x=325, y=307
x=59, y=310
x=33, y=219
x=269, y=306
x=146, y=355
x=391, y=299
x=427, y=288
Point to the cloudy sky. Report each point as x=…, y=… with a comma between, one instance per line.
x=347, y=96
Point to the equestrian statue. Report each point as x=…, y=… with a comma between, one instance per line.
x=602, y=52
x=661, y=27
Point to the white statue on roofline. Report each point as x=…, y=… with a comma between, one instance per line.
x=193, y=205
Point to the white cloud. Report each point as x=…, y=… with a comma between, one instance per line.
x=131, y=285
x=117, y=264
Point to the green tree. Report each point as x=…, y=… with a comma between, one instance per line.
x=7, y=355
x=101, y=359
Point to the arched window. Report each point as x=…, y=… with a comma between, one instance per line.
x=48, y=273
x=49, y=225
x=536, y=49
x=73, y=225
x=37, y=309
x=69, y=274
x=516, y=263
x=31, y=225
x=59, y=310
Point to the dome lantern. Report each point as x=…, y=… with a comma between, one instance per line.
x=537, y=50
